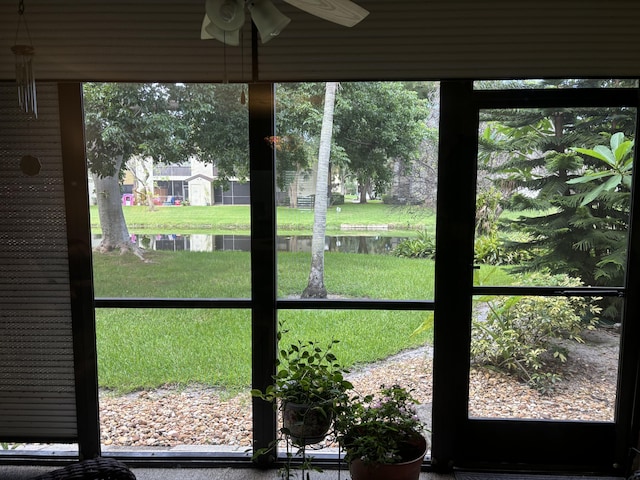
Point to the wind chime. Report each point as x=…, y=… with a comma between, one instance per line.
x=25, y=79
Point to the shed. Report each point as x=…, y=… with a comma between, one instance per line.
x=200, y=190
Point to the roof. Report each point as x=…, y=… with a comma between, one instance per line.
x=197, y=176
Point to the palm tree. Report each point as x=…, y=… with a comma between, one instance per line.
x=315, y=286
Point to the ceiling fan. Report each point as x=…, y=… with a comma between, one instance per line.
x=224, y=18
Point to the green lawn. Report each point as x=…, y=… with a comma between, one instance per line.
x=145, y=348
x=237, y=218
x=226, y=274
x=149, y=348
x=140, y=348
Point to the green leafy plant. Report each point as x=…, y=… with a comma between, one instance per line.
x=489, y=249
x=492, y=250
x=426, y=326
x=519, y=334
x=308, y=374
x=9, y=446
x=488, y=210
x=380, y=429
x=423, y=246
x=617, y=159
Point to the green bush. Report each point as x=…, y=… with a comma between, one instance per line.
x=489, y=249
x=423, y=246
x=520, y=334
x=337, y=198
x=492, y=250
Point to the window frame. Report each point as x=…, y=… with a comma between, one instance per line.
x=498, y=443
x=452, y=433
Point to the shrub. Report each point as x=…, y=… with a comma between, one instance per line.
x=337, y=199
x=488, y=249
x=520, y=334
x=423, y=246
x=388, y=199
x=491, y=250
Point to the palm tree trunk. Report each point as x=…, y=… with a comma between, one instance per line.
x=315, y=286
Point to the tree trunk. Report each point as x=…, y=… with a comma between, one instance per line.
x=315, y=286
x=148, y=184
x=329, y=186
x=365, y=185
x=142, y=176
x=115, y=234
x=150, y=205
x=293, y=190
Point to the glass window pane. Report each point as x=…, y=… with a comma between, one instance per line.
x=377, y=348
x=375, y=238
x=553, y=194
x=174, y=379
x=169, y=185
x=546, y=358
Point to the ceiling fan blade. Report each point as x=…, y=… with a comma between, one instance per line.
x=342, y=12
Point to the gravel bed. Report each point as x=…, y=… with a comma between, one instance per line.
x=171, y=417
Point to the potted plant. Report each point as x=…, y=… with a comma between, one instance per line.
x=308, y=388
x=382, y=435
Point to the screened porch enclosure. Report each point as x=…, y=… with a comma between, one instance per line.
x=253, y=316
x=65, y=310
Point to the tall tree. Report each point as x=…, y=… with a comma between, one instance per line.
x=539, y=164
x=167, y=123
x=315, y=285
x=378, y=122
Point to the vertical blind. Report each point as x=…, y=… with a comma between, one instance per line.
x=37, y=394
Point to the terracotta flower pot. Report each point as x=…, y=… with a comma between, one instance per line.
x=408, y=470
x=306, y=425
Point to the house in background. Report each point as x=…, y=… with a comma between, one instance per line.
x=166, y=182
x=192, y=182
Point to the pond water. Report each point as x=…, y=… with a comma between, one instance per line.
x=195, y=242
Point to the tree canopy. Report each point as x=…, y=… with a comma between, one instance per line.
x=167, y=123
x=378, y=122
x=549, y=161
x=375, y=123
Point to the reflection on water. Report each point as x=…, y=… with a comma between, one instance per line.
x=196, y=242
x=346, y=244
